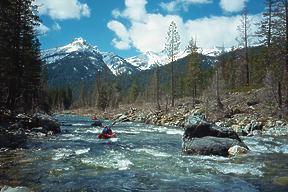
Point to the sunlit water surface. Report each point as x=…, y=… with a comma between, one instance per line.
x=142, y=158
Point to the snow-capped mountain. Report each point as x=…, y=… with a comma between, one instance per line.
x=117, y=64
x=214, y=52
x=78, y=45
x=147, y=60
x=81, y=61
x=75, y=62
x=150, y=59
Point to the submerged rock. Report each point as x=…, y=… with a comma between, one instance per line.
x=203, y=138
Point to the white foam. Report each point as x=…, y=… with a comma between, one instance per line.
x=128, y=132
x=281, y=149
x=70, y=137
x=152, y=152
x=277, y=131
x=95, y=131
x=240, y=169
x=109, y=140
x=112, y=160
x=212, y=157
x=259, y=149
x=175, y=132
x=82, y=151
x=78, y=124
x=62, y=153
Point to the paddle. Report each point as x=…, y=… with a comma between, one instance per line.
x=114, y=123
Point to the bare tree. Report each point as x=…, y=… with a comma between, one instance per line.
x=244, y=36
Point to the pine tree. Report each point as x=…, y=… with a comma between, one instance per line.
x=82, y=95
x=102, y=99
x=133, y=92
x=172, y=48
x=194, y=69
x=67, y=97
x=155, y=86
x=19, y=55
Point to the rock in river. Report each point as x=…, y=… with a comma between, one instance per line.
x=45, y=121
x=203, y=138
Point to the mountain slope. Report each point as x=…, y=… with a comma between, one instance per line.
x=80, y=61
x=117, y=64
x=75, y=62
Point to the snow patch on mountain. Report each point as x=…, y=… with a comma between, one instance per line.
x=117, y=64
x=151, y=59
x=79, y=48
x=79, y=45
x=214, y=51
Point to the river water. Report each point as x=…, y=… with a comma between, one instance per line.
x=142, y=158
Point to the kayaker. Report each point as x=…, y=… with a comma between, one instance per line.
x=97, y=122
x=107, y=130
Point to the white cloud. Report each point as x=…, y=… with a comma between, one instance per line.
x=149, y=33
x=56, y=27
x=232, y=5
x=42, y=29
x=177, y=5
x=119, y=44
x=116, y=13
x=123, y=41
x=214, y=31
x=135, y=10
x=63, y=9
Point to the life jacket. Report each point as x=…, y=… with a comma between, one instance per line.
x=107, y=130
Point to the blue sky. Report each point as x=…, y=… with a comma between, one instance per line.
x=130, y=27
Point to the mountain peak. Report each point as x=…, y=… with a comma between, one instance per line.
x=79, y=41
x=78, y=44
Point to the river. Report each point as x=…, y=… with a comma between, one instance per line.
x=142, y=158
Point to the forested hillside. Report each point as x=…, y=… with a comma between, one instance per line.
x=20, y=64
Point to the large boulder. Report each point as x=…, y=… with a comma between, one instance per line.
x=46, y=122
x=203, y=138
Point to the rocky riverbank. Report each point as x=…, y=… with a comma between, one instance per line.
x=247, y=113
x=15, y=128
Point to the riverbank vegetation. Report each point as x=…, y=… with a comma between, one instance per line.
x=244, y=69
x=199, y=78
x=21, y=82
